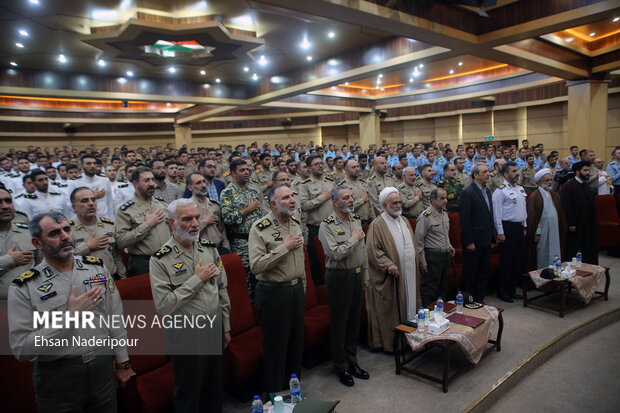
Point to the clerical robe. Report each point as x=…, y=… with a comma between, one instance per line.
x=545, y=214
x=381, y=298
x=580, y=209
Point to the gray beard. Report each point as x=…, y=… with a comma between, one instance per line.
x=183, y=236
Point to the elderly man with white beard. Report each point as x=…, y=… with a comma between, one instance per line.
x=394, y=292
x=546, y=214
x=188, y=279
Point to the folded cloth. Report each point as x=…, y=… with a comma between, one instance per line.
x=315, y=406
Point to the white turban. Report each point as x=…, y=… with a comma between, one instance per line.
x=385, y=192
x=539, y=175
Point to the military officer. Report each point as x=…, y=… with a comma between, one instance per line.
x=460, y=172
x=42, y=200
x=240, y=208
x=526, y=175
x=17, y=254
x=141, y=225
x=346, y=277
x=211, y=224
x=432, y=236
x=315, y=193
x=188, y=278
x=277, y=259
x=66, y=377
x=496, y=177
x=377, y=182
x=339, y=172
x=281, y=177
x=360, y=192
x=94, y=235
x=426, y=184
x=262, y=174
x=410, y=195
x=452, y=186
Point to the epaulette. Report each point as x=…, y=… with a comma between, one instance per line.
x=329, y=178
x=427, y=213
x=123, y=185
x=126, y=205
x=294, y=218
x=263, y=224
x=355, y=216
x=20, y=213
x=214, y=201
x=54, y=193
x=502, y=186
x=361, y=180
x=341, y=182
x=205, y=242
x=373, y=177
x=9, y=190
x=71, y=222
x=493, y=174
x=401, y=186
x=29, y=196
x=20, y=225
x=58, y=184
x=258, y=171
x=306, y=180
x=255, y=181
x=107, y=221
x=89, y=259
x=19, y=196
x=226, y=173
x=26, y=276
x=329, y=219
x=441, y=182
x=162, y=251
x=159, y=198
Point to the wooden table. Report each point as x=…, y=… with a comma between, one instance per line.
x=564, y=287
x=402, y=359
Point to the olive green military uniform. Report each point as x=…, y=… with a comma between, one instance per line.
x=412, y=204
x=317, y=208
x=363, y=209
x=453, y=190
x=375, y=186
x=133, y=233
x=67, y=378
x=346, y=269
x=495, y=180
x=426, y=188
x=432, y=236
x=280, y=298
x=19, y=236
x=216, y=232
x=526, y=179
x=178, y=291
x=263, y=177
x=110, y=255
x=232, y=201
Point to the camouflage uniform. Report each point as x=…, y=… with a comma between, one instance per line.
x=233, y=201
x=453, y=189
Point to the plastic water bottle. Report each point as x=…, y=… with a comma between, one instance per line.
x=439, y=306
x=459, y=303
x=295, y=389
x=421, y=320
x=579, y=256
x=257, y=405
x=558, y=268
x=427, y=316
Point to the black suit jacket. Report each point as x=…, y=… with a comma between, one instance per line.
x=475, y=217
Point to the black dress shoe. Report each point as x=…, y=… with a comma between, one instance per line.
x=346, y=378
x=517, y=296
x=355, y=371
x=505, y=298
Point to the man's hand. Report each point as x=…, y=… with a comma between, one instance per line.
x=501, y=238
x=471, y=247
x=123, y=376
x=86, y=301
x=204, y=272
x=393, y=270
x=252, y=206
x=364, y=197
x=152, y=219
x=326, y=195
x=452, y=251
x=358, y=233
x=572, y=229
x=209, y=219
x=424, y=269
x=292, y=243
x=365, y=284
x=99, y=193
x=97, y=243
x=226, y=339
x=418, y=192
x=20, y=257
x=536, y=239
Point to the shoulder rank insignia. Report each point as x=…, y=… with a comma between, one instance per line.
x=226, y=173
x=207, y=243
x=329, y=219
x=441, y=182
x=126, y=205
x=20, y=225
x=328, y=178
x=178, y=267
x=159, y=198
x=427, y=213
x=30, y=196
x=45, y=287
x=263, y=224
x=294, y=218
x=361, y=180
x=162, y=251
x=26, y=276
x=19, y=196
x=123, y=185
x=89, y=259
x=54, y=193
x=306, y=180
x=373, y=177
x=502, y=186
x=71, y=222
x=107, y=221
x=355, y=216
x=401, y=186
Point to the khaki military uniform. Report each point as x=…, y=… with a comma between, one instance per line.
x=412, y=205
x=60, y=372
x=214, y=232
x=432, y=236
x=453, y=190
x=426, y=188
x=363, y=209
x=133, y=233
x=110, y=255
x=364, y=174
x=338, y=176
x=19, y=236
x=226, y=178
x=495, y=180
x=262, y=178
x=462, y=177
x=375, y=186
x=526, y=179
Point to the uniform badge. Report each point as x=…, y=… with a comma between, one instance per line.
x=25, y=276
x=276, y=236
x=514, y=201
x=220, y=264
x=79, y=263
x=45, y=287
x=450, y=196
x=339, y=231
x=97, y=279
x=47, y=271
x=179, y=268
x=176, y=249
x=226, y=201
x=111, y=285
x=50, y=295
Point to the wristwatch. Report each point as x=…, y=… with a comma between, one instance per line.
x=123, y=366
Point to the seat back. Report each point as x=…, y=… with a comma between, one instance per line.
x=320, y=254
x=312, y=299
x=606, y=210
x=413, y=222
x=135, y=288
x=455, y=230
x=241, y=315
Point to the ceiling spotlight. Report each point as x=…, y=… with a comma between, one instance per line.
x=202, y=73
x=23, y=32
x=18, y=44
x=262, y=61
x=246, y=69
x=172, y=70
x=305, y=44
x=421, y=65
x=217, y=80
x=451, y=71
x=168, y=104
x=254, y=76
x=380, y=75
x=62, y=58
x=34, y=1
x=331, y=35
x=13, y=64
x=364, y=91
x=129, y=73
x=592, y=34
x=377, y=87
x=569, y=39
x=121, y=80
x=101, y=62
x=460, y=63
x=382, y=89
x=309, y=58
x=615, y=20
x=346, y=83
x=416, y=72
x=206, y=86
x=410, y=80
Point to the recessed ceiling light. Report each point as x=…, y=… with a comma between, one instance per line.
x=380, y=75
x=364, y=91
x=262, y=60
x=168, y=104
x=410, y=80
x=101, y=62
x=23, y=32
x=18, y=44
x=615, y=19
x=569, y=39
x=378, y=82
x=451, y=71
x=592, y=34
x=172, y=69
x=421, y=65
x=121, y=80
x=129, y=73
x=13, y=64
x=346, y=83
x=206, y=86
x=246, y=69
x=460, y=63
x=34, y=1
x=254, y=76
x=305, y=44
x=62, y=58
x=382, y=89
x=377, y=87
x=217, y=80
x=331, y=35
x=309, y=58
